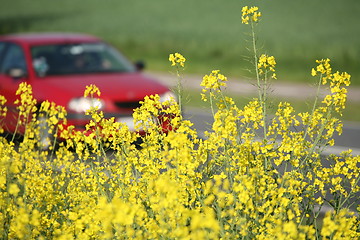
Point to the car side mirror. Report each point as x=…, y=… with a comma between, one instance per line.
x=140, y=65
x=16, y=73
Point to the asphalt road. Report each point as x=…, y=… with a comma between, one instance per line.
x=349, y=139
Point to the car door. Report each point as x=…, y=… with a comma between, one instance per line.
x=13, y=71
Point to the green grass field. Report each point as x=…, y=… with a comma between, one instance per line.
x=208, y=32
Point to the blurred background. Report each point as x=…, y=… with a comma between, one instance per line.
x=208, y=33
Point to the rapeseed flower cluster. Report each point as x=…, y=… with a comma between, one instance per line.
x=238, y=182
x=338, y=81
x=175, y=185
x=267, y=64
x=251, y=14
x=91, y=90
x=3, y=110
x=177, y=59
x=212, y=84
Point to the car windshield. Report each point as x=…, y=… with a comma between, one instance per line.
x=60, y=59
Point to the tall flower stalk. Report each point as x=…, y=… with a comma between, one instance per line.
x=178, y=61
x=264, y=64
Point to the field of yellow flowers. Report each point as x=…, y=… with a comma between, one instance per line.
x=234, y=184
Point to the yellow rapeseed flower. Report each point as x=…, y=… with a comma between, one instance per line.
x=267, y=64
x=177, y=59
x=91, y=90
x=214, y=81
x=14, y=189
x=250, y=14
x=175, y=185
x=338, y=93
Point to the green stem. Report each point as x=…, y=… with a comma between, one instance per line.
x=211, y=104
x=54, y=143
x=314, y=106
x=261, y=86
x=16, y=129
x=348, y=196
x=262, y=89
x=317, y=140
x=179, y=88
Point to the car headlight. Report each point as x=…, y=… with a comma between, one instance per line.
x=167, y=96
x=83, y=104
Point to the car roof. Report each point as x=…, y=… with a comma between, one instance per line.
x=48, y=38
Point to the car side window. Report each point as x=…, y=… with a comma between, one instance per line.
x=2, y=47
x=2, y=50
x=14, y=58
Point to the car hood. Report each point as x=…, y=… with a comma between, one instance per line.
x=124, y=87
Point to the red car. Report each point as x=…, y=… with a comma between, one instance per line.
x=59, y=66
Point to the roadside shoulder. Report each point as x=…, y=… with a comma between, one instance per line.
x=246, y=86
